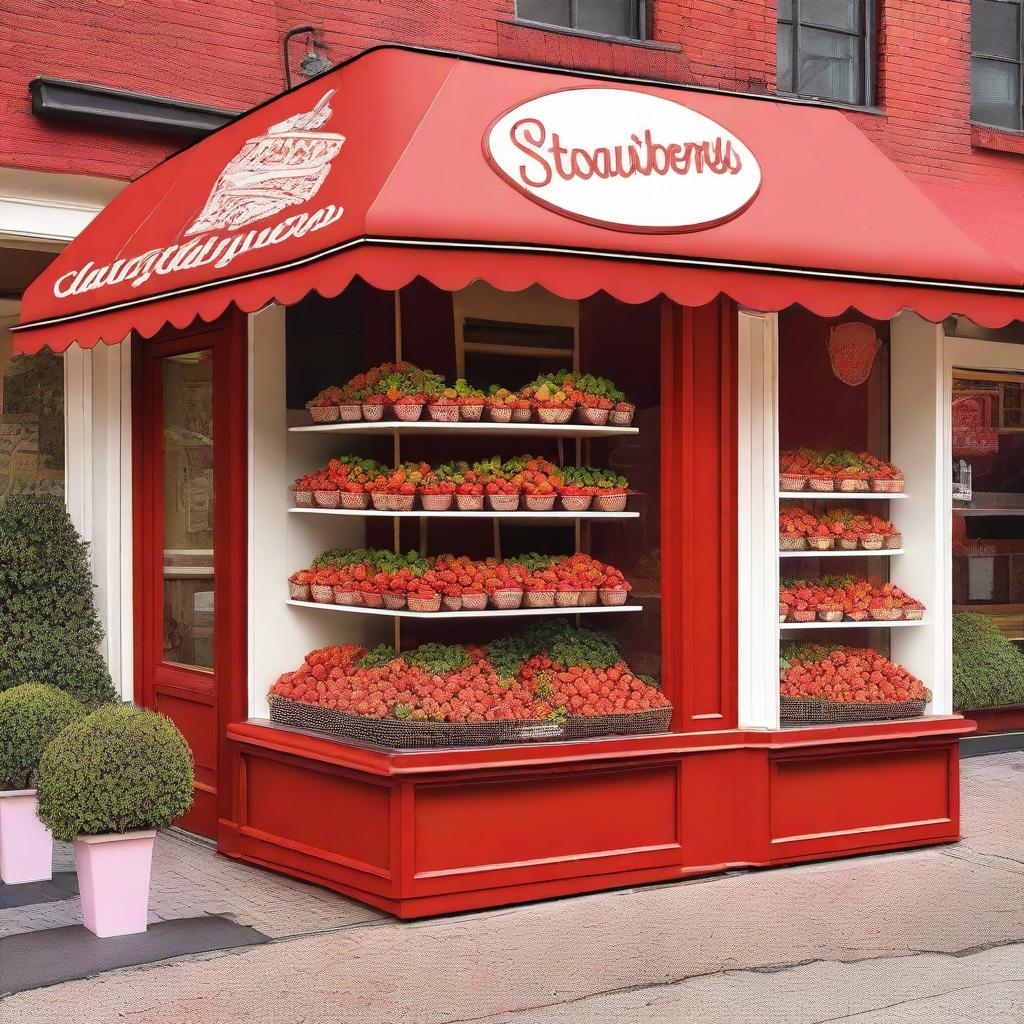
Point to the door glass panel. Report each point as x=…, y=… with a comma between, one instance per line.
x=188, y=509
x=988, y=518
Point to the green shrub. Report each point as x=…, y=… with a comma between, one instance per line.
x=988, y=671
x=49, y=630
x=31, y=716
x=119, y=769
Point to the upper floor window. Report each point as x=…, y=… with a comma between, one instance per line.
x=997, y=59
x=825, y=50
x=626, y=18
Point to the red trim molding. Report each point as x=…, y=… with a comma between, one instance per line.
x=991, y=720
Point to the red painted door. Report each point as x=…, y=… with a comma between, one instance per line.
x=189, y=459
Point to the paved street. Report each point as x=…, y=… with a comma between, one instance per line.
x=907, y=938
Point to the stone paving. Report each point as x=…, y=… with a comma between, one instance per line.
x=190, y=880
x=930, y=936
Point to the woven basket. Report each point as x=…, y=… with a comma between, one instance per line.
x=400, y=735
x=610, y=502
x=393, y=602
x=471, y=413
x=792, y=482
x=303, y=499
x=857, y=616
x=522, y=415
x=871, y=541
x=621, y=417
x=576, y=502
x=348, y=596
x=503, y=502
x=444, y=413
x=469, y=502
x=588, y=598
x=327, y=499
x=474, y=602
x=324, y=413
x=373, y=411
x=499, y=413
x=854, y=486
x=356, y=500
x=506, y=600
x=821, y=543
x=424, y=604
x=298, y=591
x=380, y=500
x=848, y=545
x=592, y=415
x=810, y=711
x=321, y=593
x=894, y=541
x=372, y=600
x=540, y=502
x=831, y=616
x=452, y=604
x=887, y=486
x=539, y=599
x=408, y=412
x=553, y=415
x=436, y=502
x=350, y=412
x=567, y=598
x=821, y=483
x=886, y=614
x=612, y=596
x=401, y=502
x=787, y=543
x=913, y=614
x=803, y=615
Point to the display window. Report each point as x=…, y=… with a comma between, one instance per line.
x=474, y=518
x=840, y=609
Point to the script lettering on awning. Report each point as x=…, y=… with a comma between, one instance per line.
x=623, y=159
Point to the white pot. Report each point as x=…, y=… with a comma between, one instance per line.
x=26, y=845
x=113, y=879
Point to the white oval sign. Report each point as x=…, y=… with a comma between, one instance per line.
x=625, y=160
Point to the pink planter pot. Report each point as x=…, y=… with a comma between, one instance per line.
x=26, y=846
x=113, y=878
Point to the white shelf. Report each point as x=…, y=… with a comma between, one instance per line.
x=455, y=514
x=841, y=495
x=490, y=613
x=859, y=553
x=432, y=427
x=866, y=624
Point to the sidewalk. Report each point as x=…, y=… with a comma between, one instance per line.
x=905, y=938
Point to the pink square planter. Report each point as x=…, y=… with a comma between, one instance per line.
x=113, y=879
x=26, y=845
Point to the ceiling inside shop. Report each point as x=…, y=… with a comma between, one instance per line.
x=18, y=268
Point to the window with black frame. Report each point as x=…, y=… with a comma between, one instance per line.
x=623, y=18
x=825, y=50
x=997, y=58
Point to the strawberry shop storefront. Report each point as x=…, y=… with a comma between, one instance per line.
x=494, y=431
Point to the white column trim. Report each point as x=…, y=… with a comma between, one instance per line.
x=758, y=521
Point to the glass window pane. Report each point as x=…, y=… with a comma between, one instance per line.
x=785, y=10
x=784, y=50
x=610, y=16
x=842, y=14
x=995, y=93
x=995, y=28
x=829, y=66
x=188, y=509
x=548, y=12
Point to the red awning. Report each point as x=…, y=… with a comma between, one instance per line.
x=405, y=163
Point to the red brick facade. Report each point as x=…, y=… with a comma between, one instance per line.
x=229, y=54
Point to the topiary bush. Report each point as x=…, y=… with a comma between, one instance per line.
x=988, y=671
x=119, y=769
x=31, y=717
x=49, y=630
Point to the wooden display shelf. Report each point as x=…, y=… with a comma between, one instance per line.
x=840, y=495
x=455, y=514
x=489, y=613
x=866, y=624
x=500, y=429
x=883, y=553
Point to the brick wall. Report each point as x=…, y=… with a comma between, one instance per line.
x=229, y=54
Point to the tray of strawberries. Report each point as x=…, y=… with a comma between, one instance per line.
x=381, y=579
x=845, y=599
x=547, y=682
x=841, y=529
x=821, y=683
x=404, y=392
x=840, y=470
x=523, y=483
